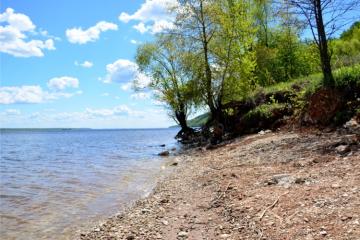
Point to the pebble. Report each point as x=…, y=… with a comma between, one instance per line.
x=225, y=235
x=165, y=222
x=342, y=149
x=323, y=233
x=164, y=153
x=183, y=234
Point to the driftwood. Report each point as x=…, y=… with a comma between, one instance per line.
x=271, y=206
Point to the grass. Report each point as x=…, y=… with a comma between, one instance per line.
x=303, y=87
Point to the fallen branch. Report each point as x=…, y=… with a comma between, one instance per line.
x=271, y=206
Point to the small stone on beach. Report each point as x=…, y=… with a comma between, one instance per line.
x=164, y=153
x=183, y=234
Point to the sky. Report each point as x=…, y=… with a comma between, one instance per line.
x=70, y=63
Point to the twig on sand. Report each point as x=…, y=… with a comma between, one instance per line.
x=271, y=206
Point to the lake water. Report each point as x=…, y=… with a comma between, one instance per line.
x=55, y=182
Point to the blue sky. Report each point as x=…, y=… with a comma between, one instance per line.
x=70, y=63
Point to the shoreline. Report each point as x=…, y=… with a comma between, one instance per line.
x=282, y=185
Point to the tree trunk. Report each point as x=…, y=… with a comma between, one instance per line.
x=186, y=132
x=181, y=118
x=323, y=46
x=208, y=73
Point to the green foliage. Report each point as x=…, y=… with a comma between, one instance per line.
x=352, y=32
x=264, y=111
x=346, y=49
x=168, y=69
x=230, y=50
x=347, y=76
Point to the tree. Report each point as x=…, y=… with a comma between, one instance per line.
x=324, y=18
x=263, y=17
x=221, y=34
x=166, y=65
x=194, y=23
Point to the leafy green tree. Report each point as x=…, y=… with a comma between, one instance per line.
x=324, y=18
x=221, y=34
x=167, y=66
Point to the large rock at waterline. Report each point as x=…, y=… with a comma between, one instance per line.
x=164, y=154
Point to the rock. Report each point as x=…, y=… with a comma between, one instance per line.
x=300, y=180
x=130, y=237
x=342, y=149
x=183, y=234
x=352, y=125
x=174, y=164
x=162, y=145
x=323, y=233
x=224, y=236
x=284, y=180
x=97, y=230
x=165, y=222
x=268, y=131
x=344, y=218
x=262, y=132
x=173, y=149
x=335, y=185
x=211, y=147
x=164, y=201
x=164, y=153
x=145, y=211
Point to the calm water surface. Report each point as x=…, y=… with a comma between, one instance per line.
x=55, y=182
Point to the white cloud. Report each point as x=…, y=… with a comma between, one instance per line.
x=23, y=94
x=17, y=20
x=80, y=36
x=141, y=81
x=30, y=94
x=141, y=27
x=126, y=86
x=85, y=64
x=155, y=13
x=13, y=38
x=60, y=83
x=46, y=34
x=105, y=94
x=121, y=110
x=140, y=96
x=121, y=71
x=12, y=112
x=158, y=103
x=127, y=73
x=133, y=41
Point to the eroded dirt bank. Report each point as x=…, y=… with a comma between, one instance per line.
x=271, y=186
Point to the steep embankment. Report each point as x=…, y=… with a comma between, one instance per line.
x=284, y=185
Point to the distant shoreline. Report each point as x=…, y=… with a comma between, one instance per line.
x=74, y=129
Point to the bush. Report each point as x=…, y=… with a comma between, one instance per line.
x=347, y=76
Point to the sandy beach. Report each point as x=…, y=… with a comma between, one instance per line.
x=284, y=185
